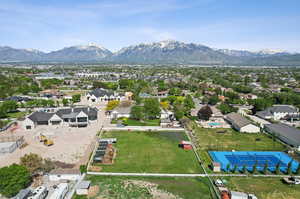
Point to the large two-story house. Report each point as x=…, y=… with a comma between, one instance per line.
x=278, y=112
x=73, y=117
x=100, y=94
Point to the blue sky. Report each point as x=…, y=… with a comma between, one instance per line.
x=236, y=24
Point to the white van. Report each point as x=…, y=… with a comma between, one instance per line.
x=60, y=192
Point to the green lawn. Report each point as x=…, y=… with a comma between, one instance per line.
x=131, y=122
x=114, y=187
x=151, y=152
x=3, y=123
x=209, y=139
x=17, y=114
x=264, y=188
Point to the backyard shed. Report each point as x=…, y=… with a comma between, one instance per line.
x=216, y=167
x=83, y=188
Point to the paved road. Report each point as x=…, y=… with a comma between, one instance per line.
x=182, y=175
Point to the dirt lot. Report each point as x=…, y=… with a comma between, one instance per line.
x=71, y=145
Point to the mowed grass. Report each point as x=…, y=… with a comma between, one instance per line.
x=151, y=152
x=185, y=188
x=264, y=188
x=209, y=139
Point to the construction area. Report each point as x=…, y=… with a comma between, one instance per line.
x=65, y=144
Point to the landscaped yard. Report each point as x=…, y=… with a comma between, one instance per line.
x=264, y=188
x=131, y=122
x=151, y=152
x=18, y=114
x=139, y=187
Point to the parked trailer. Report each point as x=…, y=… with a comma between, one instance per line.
x=40, y=192
x=60, y=192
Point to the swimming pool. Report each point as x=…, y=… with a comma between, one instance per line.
x=214, y=123
x=251, y=158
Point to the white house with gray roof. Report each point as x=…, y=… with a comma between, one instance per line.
x=100, y=94
x=278, y=112
x=73, y=117
x=241, y=124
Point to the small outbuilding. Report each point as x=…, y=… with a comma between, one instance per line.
x=83, y=188
x=64, y=174
x=216, y=167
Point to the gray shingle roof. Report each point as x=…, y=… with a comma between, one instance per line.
x=100, y=92
x=284, y=130
x=63, y=113
x=40, y=116
x=276, y=109
x=237, y=119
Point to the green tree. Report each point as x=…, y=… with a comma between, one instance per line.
x=76, y=98
x=289, y=168
x=213, y=100
x=65, y=102
x=33, y=162
x=188, y=103
x=228, y=167
x=13, y=178
x=277, y=169
x=254, y=168
x=152, y=108
x=266, y=166
x=234, y=168
x=244, y=169
x=297, y=170
x=137, y=113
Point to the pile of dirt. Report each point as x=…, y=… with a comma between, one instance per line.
x=63, y=165
x=152, y=189
x=93, y=191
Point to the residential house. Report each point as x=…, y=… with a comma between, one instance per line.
x=278, y=112
x=121, y=111
x=100, y=94
x=241, y=124
x=285, y=133
x=74, y=117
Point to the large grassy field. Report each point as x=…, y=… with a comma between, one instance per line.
x=115, y=187
x=151, y=152
x=210, y=139
x=264, y=188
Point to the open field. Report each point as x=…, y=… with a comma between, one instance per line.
x=150, y=187
x=264, y=188
x=209, y=139
x=151, y=152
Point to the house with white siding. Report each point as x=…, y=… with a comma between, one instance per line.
x=241, y=124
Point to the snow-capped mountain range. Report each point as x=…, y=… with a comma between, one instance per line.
x=168, y=51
